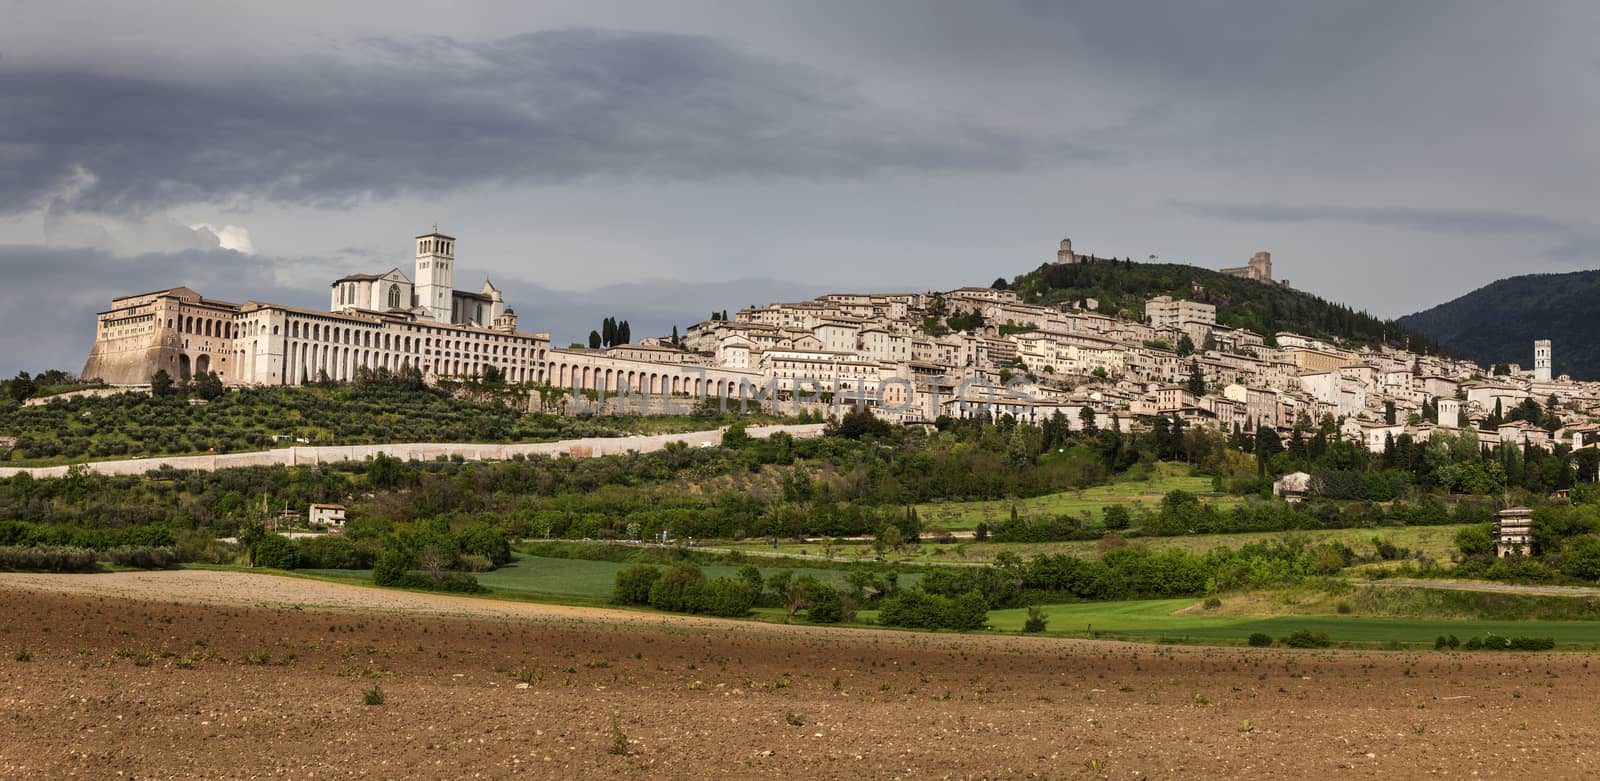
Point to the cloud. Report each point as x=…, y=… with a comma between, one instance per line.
x=1569, y=242
x=651, y=307
x=234, y=237
x=47, y=311
x=422, y=116
x=1447, y=221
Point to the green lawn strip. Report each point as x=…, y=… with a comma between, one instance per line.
x=964, y=516
x=1148, y=619
x=581, y=579
x=1437, y=542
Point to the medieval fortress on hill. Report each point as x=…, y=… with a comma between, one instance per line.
x=894, y=352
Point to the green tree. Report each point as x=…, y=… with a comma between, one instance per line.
x=1197, y=381
x=1476, y=540
x=208, y=386
x=161, y=383
x=967, y=612
x=827, y=605
x=1116, y=516
x=595, y=340
x=1580, y=557
x=274, y=551
x=678, y=589
x=725, y=597
x=390, y=569
x=1036, y=621
x=633, y=585
x=22, y=387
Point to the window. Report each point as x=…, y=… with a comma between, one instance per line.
x=394, y=296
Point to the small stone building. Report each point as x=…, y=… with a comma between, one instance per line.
x=1293, y=487
x=1513, y=531
x=330, y=515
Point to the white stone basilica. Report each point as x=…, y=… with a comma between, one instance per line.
x=373, y=321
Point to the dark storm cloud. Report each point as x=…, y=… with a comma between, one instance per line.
x=1447, y=221
x=48, y=316
x=425, y=115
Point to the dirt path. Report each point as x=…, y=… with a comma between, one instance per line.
x=227, y=675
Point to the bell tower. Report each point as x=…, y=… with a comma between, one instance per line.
x=436, y=260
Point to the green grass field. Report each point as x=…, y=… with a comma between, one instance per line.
x=1435, y=541
x=965, y=516
x=582, y=580
x=1152, y=619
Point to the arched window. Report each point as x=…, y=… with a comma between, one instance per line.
x=394, y=296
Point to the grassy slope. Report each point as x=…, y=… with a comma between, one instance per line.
x=965, y=516
x=1435, y=541
x=1146, y=619
x=583, y=580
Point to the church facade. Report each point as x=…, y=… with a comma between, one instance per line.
x=374, y=321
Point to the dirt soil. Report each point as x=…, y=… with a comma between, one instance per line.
x=228, y=675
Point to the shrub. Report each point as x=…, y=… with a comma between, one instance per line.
x=391, y=568
x=967, y=612
x=1260, y=639
x=142, y=556
x=472, y=562
x=275, y=551
x=1305, y=638
x=917, y=608
x=332, y=551
x=678, y=589
x=39, y=558
x=1212, y=603
x=827, y=605
x=726, y=597
x=1036, y=621
x=911, y=608
x=633, y=585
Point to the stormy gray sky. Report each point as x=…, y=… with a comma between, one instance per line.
x=655, y=160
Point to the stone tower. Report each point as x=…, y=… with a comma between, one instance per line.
x=1261, y=266
x=1541, y=360
x=1449, y=413
x=1064, y=255
x=436, y=260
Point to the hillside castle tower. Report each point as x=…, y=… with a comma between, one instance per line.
x=1541, y=360
x=1065, y=256
x=1259, y=268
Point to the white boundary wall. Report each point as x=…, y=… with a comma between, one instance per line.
x=415, y=451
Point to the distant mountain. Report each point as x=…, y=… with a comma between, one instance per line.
x=1499, y=322
x=1122, y=286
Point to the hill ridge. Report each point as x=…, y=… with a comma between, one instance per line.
x=1498, y=323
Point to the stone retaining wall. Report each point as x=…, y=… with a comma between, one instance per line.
x=414, y=451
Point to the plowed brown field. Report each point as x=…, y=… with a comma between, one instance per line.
x=212, y=674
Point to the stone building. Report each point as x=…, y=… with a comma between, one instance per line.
x=1513, y=529
x=1541, y=360
x=1259, y=268
x=375, y=321
x=1065, y=256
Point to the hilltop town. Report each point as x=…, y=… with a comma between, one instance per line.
x=910, y=357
